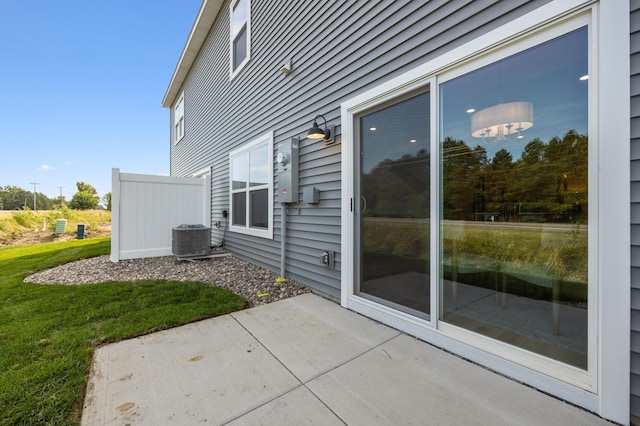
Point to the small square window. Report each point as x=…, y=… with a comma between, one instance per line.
x=178, y=119
x=240, y=32
x=240, y=48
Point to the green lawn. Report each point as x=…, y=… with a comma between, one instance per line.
x=48, y=332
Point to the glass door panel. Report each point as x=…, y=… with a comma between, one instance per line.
x=394, y=205
x=514, y=199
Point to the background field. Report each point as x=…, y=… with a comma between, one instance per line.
x=556, y=250
x=26, y=226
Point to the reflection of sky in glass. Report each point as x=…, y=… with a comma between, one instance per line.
x=239, y=172
x=546, y=75
x=238, y=17
x=259, y=166
x=395, y=129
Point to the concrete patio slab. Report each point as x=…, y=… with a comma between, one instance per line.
x=297, y=407
x=405, y=380
x=303, y=360
x=312, y=336
x=211, y=371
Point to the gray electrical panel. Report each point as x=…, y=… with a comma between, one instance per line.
x=287, y=161
x=311, y=195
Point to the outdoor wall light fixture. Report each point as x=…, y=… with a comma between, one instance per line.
x=316, y=132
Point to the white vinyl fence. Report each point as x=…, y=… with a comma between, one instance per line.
x=145, y=209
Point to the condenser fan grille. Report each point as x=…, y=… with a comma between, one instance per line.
x=191, y=240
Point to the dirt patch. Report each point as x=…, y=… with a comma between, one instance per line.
x=37, y=237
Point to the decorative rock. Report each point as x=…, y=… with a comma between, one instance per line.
x=237, y=275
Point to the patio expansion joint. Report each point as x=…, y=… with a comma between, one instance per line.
x=301, y=383
x=373, y=348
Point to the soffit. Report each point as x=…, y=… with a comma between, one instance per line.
x=206, y=17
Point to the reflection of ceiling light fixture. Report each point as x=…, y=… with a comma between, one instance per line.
x=498, y=122
x=584, y=77
x=413, y=141
x=373, y=129
x=470, y=110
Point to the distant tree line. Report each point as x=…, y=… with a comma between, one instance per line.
x=548, y=183
x=86, y=198
x=15, y=198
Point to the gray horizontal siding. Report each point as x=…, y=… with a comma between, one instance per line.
x=361, y=45
x=635, y=206
x=635, y=192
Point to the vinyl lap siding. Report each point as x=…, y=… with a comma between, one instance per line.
x=635, y=207
x=358, y=46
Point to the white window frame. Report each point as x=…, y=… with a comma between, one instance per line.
x=232, y=37
x=178, y=119
x=604, y=387
x=266, y=139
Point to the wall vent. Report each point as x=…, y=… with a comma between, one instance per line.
x=191, y=241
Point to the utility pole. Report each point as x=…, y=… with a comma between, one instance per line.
x=35, y=208
x=61, y=188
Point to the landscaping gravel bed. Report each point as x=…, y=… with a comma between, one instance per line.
x=254, y=283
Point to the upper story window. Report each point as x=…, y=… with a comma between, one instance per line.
x=178, y=119
x=240, y=35
x=251, y=187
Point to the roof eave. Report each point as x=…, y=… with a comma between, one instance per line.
x=206, y=17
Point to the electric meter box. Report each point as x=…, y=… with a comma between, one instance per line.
x=287, y=161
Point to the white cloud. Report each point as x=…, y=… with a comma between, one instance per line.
x=46, y=167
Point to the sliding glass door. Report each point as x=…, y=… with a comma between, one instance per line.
x=511, y=200
x=514, y=199
x=393, y=205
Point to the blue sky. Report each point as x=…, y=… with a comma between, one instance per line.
x=82, y=82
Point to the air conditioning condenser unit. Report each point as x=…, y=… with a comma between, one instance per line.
x=191, y=241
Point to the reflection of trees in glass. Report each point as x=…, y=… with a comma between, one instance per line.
x=462, y=181
x=548, y=183
x=398, y=188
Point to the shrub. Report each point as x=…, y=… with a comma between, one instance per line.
x=25, y=218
